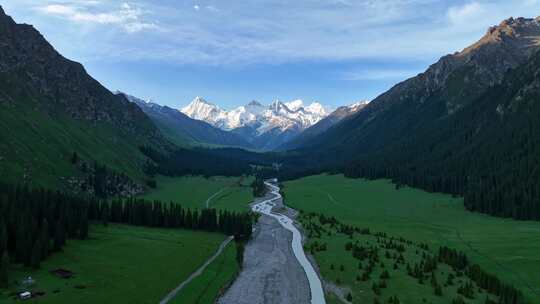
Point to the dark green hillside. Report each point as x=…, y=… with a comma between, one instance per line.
x=468, y=125
x=489, y=151
x=50, y=107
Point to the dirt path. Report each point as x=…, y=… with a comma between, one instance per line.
x=197, y=273
x=207, y=203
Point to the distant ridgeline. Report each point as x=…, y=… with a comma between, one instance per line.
x=35, y=223
x=469, y=125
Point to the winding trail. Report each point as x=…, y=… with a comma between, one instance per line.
x=207, y=203
x=197, y=273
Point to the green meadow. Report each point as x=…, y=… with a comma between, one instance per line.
x=231, y=193
x=207, y=287
x=119, y=264
x=36, y=148
x=508, y=248
x=338, y=265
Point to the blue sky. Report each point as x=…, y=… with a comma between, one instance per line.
x=234, y=51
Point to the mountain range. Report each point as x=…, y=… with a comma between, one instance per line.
x=468, y=125
x=322, y=125
x=264, y=127
x=183, y=130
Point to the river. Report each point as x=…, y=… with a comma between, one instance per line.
x=265, y=207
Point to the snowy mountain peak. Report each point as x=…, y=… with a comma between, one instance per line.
x=278, y=106
x=317, y=108
x=199, y=99
x=295, y=105
x=278, y=115
x=357, y=105
x=203, y=110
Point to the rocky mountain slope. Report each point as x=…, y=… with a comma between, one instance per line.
x=185, y=131
x=324, y=124
x=467, y=125
x=50, y=108
x=444, y=88
x=265, y=127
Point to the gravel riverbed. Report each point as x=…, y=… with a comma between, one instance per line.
x=271, y=274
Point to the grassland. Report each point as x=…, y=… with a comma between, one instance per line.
x=212, y=283
x=120, y=264
x=231, y=193
x=505, y=247
x=36, y=148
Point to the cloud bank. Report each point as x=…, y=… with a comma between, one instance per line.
x=237, y=32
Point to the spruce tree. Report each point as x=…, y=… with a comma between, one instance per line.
x=74, y=158
x=3, y=236
x=45, y=239
x=35, y=258
x=83, y=228
x=59, y=236
x=4, y=265
x=105, y=214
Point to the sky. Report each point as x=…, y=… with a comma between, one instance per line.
x=233, y=51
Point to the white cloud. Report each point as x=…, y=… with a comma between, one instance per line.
x=125, y=16
x=58, y=9
x=196, y=7
x=464, y=13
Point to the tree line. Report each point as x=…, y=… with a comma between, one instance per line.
x=458, y=260
x=207, y=162
x=140, y=212
x=259, y=188
x=101, y=181
x=35, y=223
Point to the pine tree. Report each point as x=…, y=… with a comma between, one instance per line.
x=3, y=236
x=83, y=228
x=438, y=290
x=4, y=265
x=74, y=158
x=45, y=239
x=35, y=259
x=59, y=236
x=105, y=214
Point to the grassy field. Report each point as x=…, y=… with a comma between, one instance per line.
x=36, y=148
x=233, y=193
x=212, y=283
x=120, y=264
x=510, y=249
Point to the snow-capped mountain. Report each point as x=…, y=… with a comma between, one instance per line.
x=279, y=121
x=324, y=124
x=183, y=130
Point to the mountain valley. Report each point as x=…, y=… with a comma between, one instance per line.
x=427, y=193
